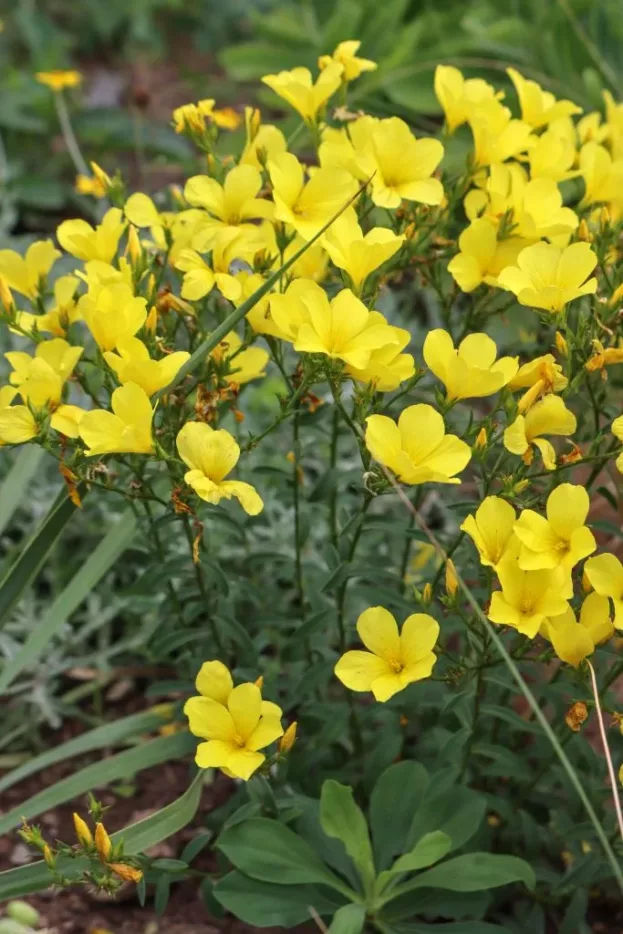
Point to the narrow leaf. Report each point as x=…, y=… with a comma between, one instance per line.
x=17, y=481
x=342, y=818
x=430, y=849
x=472, y=872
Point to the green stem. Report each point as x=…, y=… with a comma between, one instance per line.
x=298, y=565
x=68, y=135
x=333, y=525
x=201, y=584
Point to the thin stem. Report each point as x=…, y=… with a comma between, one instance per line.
x=4, y=163
x=298, y=565
x=68, y=134
x=478, y=692
x=341, y=594
x=335, y=431
x=201, y=584
x=604, y=740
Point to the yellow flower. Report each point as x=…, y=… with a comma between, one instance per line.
x=215, y=683
x=345, y=54
x=471, y=370
x=132, y=364
x=458, y=96
x=244, y=365
x=497, y=137
x=617, y=431
x=235, y=730
x=603, y=175
x=491, y=529
x=27, y=274
x=125, y=872
x=400, y=166
x=603, y=357
x=63, y=313
x=17, y=423
x=342, y=329
x=605, y=572
x=83, y=832
x=573, y=641
x=417, y=449
x=264, y=141
x=307, y=206
x=289, y=310
x=549, y=416
x=86, y=243
x=141, y=211
x=549, y=277
x=387, y=367
x=482, y=256
x=58, y=80
x=539, y=107
x=357, y=254
x=527, y=597
x=552, y=156
x=90, y=185
x=40, y=379
x=297, y=89
x=394, y=659
x=66, y=420
x=560, y=540
x=540, y=377
x=233, y=202
x=211, y=455
x=193, y=116
x=112, y=313
x=127, y=431
x=232, y=243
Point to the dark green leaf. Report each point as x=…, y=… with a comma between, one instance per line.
x=349, y=919
x=472, y=872
x=342, y=818
x=265, y=905
x=395, y=799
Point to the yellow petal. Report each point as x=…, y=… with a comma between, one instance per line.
x=378, y=631
x=247, y=496
x=209, y=719
x=417, y=638
x=245, y=706
x=215, y=681
x=266, y=732
x=567, y=508
x=605, y=572
x=358, y=670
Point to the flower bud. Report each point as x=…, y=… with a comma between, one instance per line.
x=481, y=439
x=576, y=716
x=520, y=486
x=151, y=321
x=103, y=843
x=260, y=682
x=452, y=582
x=583, y=231
x=125, y=872
x=561, y=345
x=616, y=296
x=5, y=295
x=605, y=216
x=135, y=250
x=49, y=857
x=288, y=739
x=83, y=833
x=427, y=593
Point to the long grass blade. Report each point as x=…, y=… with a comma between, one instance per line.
x=97, y=564
x=17, y=481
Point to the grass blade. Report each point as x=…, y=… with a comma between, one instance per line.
x=95, y=567
x=32, y=557
x=24, y=880
x=101, y=773
x=109, y=734
x=17, y=480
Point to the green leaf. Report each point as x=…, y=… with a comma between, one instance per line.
x=16, y=483
x=263, y=904
x=455, y=927
x=342, y=818
x=395, y=798
x=97, y=564
x=472, y=872
x=34, y=554
x=99, y=774
x=430, y=849
x=349, y=919
x=102, y=736
x=457, y=811
x=270, y=852
x=136, y=837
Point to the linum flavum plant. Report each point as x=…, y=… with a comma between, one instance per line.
x=365, y=401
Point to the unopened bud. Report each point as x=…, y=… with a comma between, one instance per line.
x=83, y=833
x=481, y=439
x=125, y=872
x=520, y=486
x=135, y=250
x=151, y=321
x=452, y=582
x=103, y=843
x=561, y=345
x=427, y=593
x=605, y=216
x=5, y=295
x=576, y=716
x=288, y=739
x=259, y=683
x=583, y=231
x=616, y=296
x=49, y=857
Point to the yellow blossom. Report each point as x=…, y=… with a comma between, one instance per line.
x=66, y=420
x=345, y=54
x=603, y=357
x=497, y=136
x=458, y=95
x=90, y=185
x=125, y=872
x=125, y=430
x=40, y=379
x=417, y=449
x=394, y=659
x=400, y=166
x=236, y=730
x=549, y=416
x=357, y=254
x=527, y=598
x=617, y=431
x=605, y=572
x=59, y=80
x=27, y=274
x=491, y=529
x=200, y=277
x=112, y=313
x=215, y=683
x=306, y=97
x=132, y=364
x=244, y=365
x=264, y=141
x=540, y=377
x=552, y=156
x=387, y=367
x=573, y=641
x=233, y=202
x=603, y=175
x=63, y=312
x=539, y=107
x=471, y=370
x=307, y=206
x=482, y=256
x=289, y=310
x=17, y=424
x=87, y=243
x=211, y=456
x=549, y=277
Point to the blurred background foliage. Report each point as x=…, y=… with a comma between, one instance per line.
x=140, y=60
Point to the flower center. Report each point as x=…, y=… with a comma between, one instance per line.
x=396, y=665
x=526, y=605
x=238, y=740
